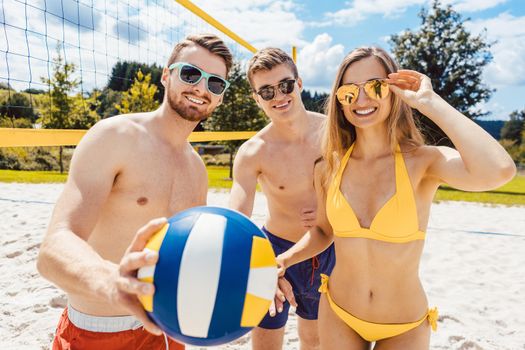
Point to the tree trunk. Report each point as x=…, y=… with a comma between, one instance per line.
x=60, y=151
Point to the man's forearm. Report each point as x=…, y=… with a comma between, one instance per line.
x=69, y=262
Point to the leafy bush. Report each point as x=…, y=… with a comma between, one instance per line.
x=33, y=158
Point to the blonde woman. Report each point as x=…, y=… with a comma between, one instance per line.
x=375, y=187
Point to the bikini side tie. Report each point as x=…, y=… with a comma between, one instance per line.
x=433, y=316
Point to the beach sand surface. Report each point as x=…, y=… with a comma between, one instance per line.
x=473, y=269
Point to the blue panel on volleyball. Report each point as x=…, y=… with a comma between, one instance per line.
x=167, y=272
x=232, y=286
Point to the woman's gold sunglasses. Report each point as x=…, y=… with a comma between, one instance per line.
x=375, y=88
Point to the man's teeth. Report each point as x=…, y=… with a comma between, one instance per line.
x=194, y=100
x=282, y=105
x=365, y=111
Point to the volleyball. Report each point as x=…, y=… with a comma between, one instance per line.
x=215, y=277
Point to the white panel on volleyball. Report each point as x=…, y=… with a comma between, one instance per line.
x=262, y=282
x=199, y=275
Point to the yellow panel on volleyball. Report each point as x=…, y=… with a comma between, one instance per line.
x=262, y=253
x=254, y=310
x=146, y=274
x=262, y=263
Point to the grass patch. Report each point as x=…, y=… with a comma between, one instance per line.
x=218, y=177
x=512, y=193
x=36, y=177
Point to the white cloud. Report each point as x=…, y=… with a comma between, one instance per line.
x=318, y=61
x=495, y=109
x=508, y=65
x=359, y=10
x=261, y=22
x=503, y=26
x=473, y=5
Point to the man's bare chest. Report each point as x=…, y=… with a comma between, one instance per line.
x=292, y=172
x=163, y=187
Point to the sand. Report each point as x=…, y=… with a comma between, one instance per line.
x=473, y=269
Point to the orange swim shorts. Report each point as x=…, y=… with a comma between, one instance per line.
x=71, y=337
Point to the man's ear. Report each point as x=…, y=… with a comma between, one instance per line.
x=220, y=100
x=165, y=77
x=256, y=98
x=300, y=83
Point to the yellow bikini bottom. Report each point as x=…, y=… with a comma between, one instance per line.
x=375, y=331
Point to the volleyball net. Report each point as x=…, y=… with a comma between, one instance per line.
x=103, y=40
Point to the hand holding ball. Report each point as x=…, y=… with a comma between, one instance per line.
x=215, y=277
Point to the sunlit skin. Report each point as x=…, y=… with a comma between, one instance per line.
x=281, y=159
x=126, y=171
x=379, y=281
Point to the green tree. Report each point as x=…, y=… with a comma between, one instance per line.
x=140, y=97
x=514, y=127
x=107, y=100
x=18, y=106
x=315, y=103
x=61, y=110
x=453, y=59
x=513, y=136
x=55, y=110
x=238, y=112
x=124, y=72
x=84, y=110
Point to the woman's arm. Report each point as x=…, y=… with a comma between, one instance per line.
x=479, y=162
x=318, y=238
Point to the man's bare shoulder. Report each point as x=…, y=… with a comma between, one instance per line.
x=317, y=122
x=111, y=138
x=317, y=116
x=195, y=157
x=121, y=125
x=255, y=145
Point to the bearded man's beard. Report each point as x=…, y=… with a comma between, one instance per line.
x=189, y=113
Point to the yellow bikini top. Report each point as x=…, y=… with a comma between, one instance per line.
x=395, y=222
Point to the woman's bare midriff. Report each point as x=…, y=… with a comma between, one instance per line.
x=378, y=281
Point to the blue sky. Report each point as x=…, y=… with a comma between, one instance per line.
x=98, y=33
x=324, y=31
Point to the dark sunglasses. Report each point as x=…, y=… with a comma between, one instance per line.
x=376, y=88
x=191, y=75
x=286, y=87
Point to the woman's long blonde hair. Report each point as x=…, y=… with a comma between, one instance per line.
x=340, y=134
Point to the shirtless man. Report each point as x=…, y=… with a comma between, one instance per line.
x=127, y=170
x=281, y=159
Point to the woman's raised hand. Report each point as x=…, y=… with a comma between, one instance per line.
x=414, y=88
